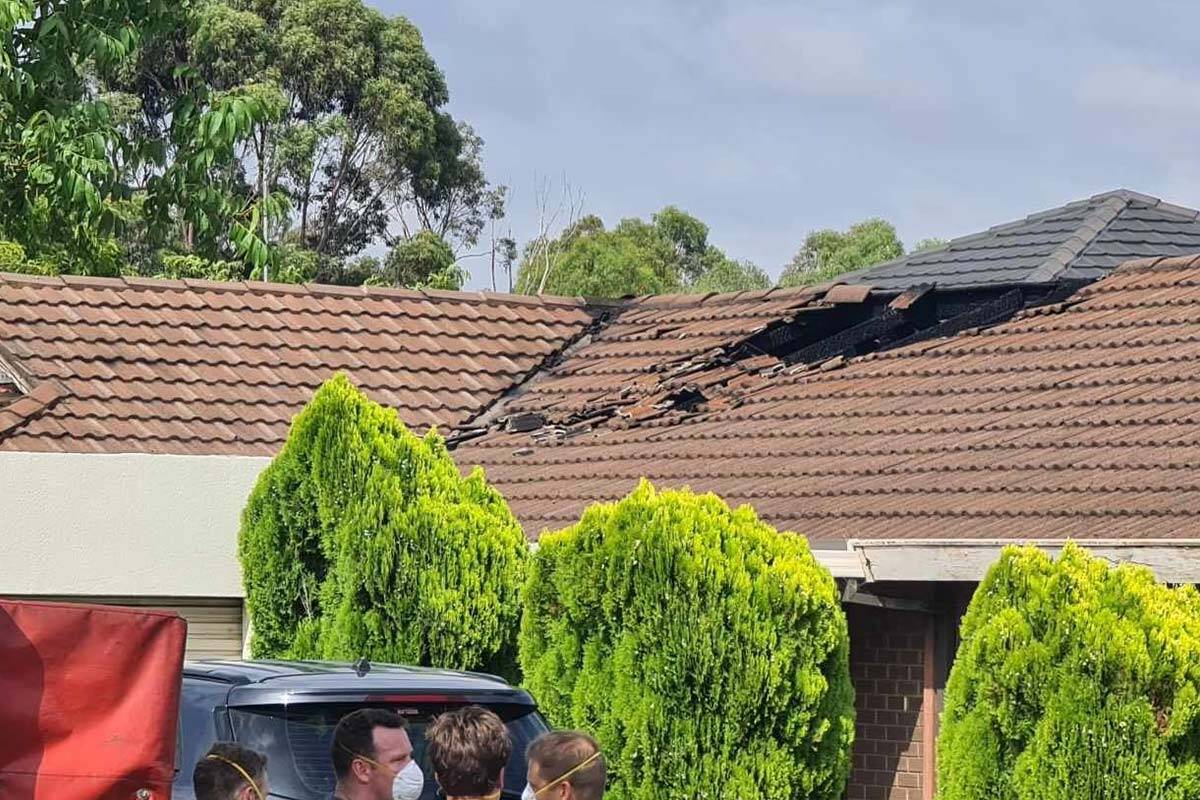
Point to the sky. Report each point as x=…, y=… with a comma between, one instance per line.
x=768, y=120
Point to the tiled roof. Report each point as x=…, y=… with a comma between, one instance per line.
x=653, y=346
x=1078, y=419
x=1084, y=239
x=198, y=367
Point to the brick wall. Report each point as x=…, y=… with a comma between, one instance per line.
x=887, y=664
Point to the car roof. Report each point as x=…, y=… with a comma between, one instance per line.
x=318, y=675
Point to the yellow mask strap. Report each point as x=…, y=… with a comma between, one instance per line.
x=368, y=759
x=568, y=773
x=243, y=773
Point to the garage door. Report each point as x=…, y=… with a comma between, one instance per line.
x=214, y=624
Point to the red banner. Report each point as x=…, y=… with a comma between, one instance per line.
x=89, y=701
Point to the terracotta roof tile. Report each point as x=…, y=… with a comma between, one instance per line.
x=1081, y=419
x=199, y=367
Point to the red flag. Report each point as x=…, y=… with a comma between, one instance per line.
x=89, y=701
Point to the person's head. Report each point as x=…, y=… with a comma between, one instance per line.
x=372, y=757
x=565, y=765
x=230, y=772
x=468, y=748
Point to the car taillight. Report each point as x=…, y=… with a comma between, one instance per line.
x=413, y=698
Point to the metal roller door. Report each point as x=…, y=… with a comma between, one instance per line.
x=214, y=623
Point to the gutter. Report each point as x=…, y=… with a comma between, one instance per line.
x=946, y=560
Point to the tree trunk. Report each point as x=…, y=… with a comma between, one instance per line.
x=493, y=254
x=263, y=165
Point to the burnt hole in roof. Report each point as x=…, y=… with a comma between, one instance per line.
x=10, y=390
x=686, y=398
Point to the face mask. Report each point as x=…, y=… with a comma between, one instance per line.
x=529, y=793
x=409, y=782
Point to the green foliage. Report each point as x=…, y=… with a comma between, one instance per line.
x=175, y=265
x=727, y=275
x=362, y=539
x=590, y=261
x=634, y=258
x=85, y=183
x=424, y=261
x=1075, y=680
x=12, y=256
x=708, y=652
x=829, y=253
x=210, y=128
x=688, y=237
x=931, y=243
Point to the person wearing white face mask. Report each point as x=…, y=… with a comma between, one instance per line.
x=373, y=758
x=468, y=748
x=565, y=765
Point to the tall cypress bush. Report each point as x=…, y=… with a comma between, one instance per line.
x=362, y=539
x=1074, y=680
x=707, y=651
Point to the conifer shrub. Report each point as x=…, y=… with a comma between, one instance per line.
x=362, y=539
x=1074, y=680
x=708, y=652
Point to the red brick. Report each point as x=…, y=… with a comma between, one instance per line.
x=886, y=656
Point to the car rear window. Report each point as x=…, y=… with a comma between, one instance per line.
x=296, y=740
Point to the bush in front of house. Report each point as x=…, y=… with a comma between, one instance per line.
x=707, y=651
x=1074, y=680
x=362, y=539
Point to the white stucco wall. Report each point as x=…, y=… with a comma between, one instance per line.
x=131, y=524
x=140, y=525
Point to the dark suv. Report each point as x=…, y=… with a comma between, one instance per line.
x=288, y=710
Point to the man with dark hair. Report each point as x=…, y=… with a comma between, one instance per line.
x=468, y=748
x=565, y=765
x=230, y=772
x=373, y=757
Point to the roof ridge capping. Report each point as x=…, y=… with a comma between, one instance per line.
x=258, y=287
x=1097, y=220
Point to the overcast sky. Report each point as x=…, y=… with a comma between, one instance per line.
x=770, y=119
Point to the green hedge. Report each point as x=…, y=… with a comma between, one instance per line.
x=707, y=651
x=362, y=539
x=1074, y=680
x=12, y=256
